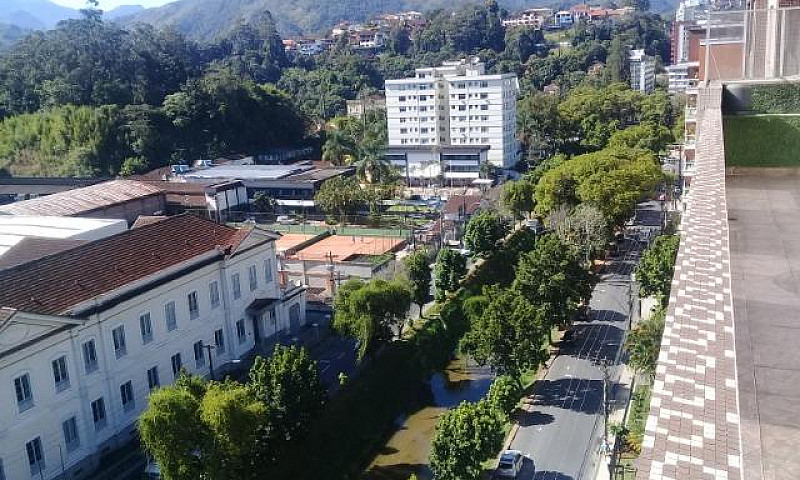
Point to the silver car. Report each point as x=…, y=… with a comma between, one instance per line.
x=510, y=464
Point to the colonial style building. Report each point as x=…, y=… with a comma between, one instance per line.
x=87, y=333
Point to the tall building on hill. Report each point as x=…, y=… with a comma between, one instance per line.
x=643, y=71
x=455, y=105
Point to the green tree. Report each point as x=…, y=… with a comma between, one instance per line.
x=288, y=384
x=484, y=231
x=553, y=278
x=339, y=197
x=450, y=268
x=419, y=273
x=643, y=343
x=645, y=136
x=504, y=394
x=264, y=203
x=517, y=197
x=399, y=42
x=655, y=269
x=171, y=432
x=511, y=334
x=338, y=148
x=465, y=437
x=374, y=312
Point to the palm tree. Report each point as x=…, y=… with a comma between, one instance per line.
x=371, y=164
x=338, y=148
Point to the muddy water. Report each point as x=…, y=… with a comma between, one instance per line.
x=407, y=450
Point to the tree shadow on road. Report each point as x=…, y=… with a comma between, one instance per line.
x=580, y=395
x=530, y=419
x=400, y=471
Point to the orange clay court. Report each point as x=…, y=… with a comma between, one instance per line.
x=347, y=247
x=289, y=241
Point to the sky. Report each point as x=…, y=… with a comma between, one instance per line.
x=109, y=4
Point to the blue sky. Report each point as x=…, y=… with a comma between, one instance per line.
x=109, y=4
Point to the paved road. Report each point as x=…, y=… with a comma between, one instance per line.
x=563, y=428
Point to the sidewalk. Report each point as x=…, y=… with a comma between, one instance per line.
x=617, y=416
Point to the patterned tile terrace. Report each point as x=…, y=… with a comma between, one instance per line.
x=692, y=431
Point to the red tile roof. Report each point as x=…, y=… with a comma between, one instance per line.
x=84, y=200
x=53, y=284
x=468, y=204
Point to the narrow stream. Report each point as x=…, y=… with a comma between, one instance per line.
x=407, y=449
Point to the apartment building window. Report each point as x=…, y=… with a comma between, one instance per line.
x=89, y=357
x=403, y=141
x=126, y=395
x=253, y=277
x=22, y=387
x=177, y=364
x=146, y=328
x=484, y=84
x=152, y=378
x=461, y=85
x=199, y=358
x=268, y=271
x=99, y=414
x=236, y=286
x=213, y=294
x=60, y=374
x=462, y=108
x=402, y=109
x=71, y=438
x=484, y=96
x=118, y=335
x=402, y=98
x=35, y=456
x=402, y=120
x=484, y=107
x=2, y=470
x=194, y=307
x=240, y=331
x=169, y=315
x=462, y=96
x=219, y=342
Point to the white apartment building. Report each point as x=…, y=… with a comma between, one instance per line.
x=456, y=104
x=85, y=335
x=643, y=71
x=532, y=17
x=682, y=76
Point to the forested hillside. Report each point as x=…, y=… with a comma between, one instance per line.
x=205, y=20
x=92, y=98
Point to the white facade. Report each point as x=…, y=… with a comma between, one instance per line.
x=14, y=228
x=455, y=104
x=50, y=355
x=682, y=76
x=643, y=71
x=533, y=17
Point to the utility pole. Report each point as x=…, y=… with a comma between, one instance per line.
x=210, y=362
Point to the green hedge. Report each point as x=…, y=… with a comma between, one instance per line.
x=783, y=98
x=762, y=141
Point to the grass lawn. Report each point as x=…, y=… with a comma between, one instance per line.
x=763, y=141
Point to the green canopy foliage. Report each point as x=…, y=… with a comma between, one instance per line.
x=655, y=269
x=465, y=437
x=450, y=268
x=484, y=231
x=643, y=343
x=419, y=273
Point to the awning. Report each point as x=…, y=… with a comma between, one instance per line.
x=259, y=305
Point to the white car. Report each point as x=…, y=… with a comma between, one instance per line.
x=510, y=464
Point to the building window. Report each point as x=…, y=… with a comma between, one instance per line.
x=169, y=315
x=152, y=378
x=146, y=328
x=71, y=439
x=89, y=357
x=294, y=314
x=268, y=271
x=126, y=394
x=213, y=294
x=60, y=374
x=236, y=286
x=177, y=364
x=194, y=307
x=484, y=96
x=35, y=456
x=22, y=387
x=240, y=331
x=199, y=358
x=219, y=342
x=402, y=98
x=484, y=84
x=2, y=471
x=118, y=335
x=484, y=107
x=253, y=277
x=99, y=414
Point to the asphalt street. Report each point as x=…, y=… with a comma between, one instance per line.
x=561, y=431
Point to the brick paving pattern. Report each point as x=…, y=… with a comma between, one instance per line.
x=692, y=431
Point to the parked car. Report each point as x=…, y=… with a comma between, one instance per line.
x=286, y=220
x=510, y=464
x=569, y=337
x=535, y=226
